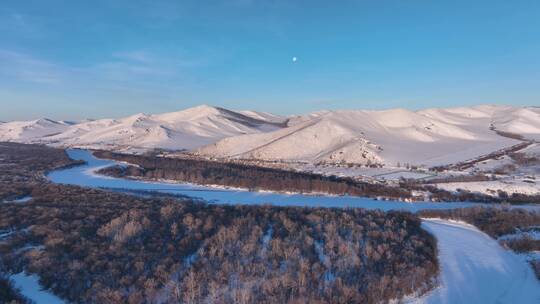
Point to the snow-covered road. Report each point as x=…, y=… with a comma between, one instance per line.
x=476, y=269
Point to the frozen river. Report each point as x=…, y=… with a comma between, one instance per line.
x=474, y=268
x=84, y=176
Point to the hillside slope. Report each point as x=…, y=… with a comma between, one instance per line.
x=31, y=130
x=185, y=129
x=428, y=137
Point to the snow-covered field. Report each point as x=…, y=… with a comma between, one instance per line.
x=361, y=172
x=492, y=164
x=511, y=185
x=476, y=269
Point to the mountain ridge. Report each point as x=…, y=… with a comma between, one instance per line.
x=178, y=130
x=432, y=136
x=426, y=137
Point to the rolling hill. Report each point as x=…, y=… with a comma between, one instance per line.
x=185, y=129
x=428, y=137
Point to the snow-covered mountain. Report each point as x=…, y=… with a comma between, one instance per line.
x=428, y=137
x=26, y=131
x=187, y=129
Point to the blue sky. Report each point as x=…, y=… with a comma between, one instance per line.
x=80, y=59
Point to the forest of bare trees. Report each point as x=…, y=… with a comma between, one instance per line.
x=252, y=177
x=96, y=246
x=243, y=176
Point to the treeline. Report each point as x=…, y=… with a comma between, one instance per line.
x=22, y=165
x=524, y=159
x=95, y=246
x=254, y=178
x=522, y=244
x=243, y=176
x=460, y=179
x=495, y=222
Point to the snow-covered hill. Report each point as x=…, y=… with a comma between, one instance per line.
x=523, y=121
x=185, y=129
x=397, y=136
x=26, y=131
x=428, y=137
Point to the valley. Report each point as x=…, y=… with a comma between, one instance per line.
x=374, y=147
x=161, y=200
x=86, y=244
x=272, y=152
x=109, y=221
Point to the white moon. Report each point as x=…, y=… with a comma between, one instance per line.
x=294, y=59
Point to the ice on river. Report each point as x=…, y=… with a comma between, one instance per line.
x=476, y=269
x=84, y=176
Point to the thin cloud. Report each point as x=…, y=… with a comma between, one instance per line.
x=16, y=22
x=139, y=56
x=152, y=58
x=142, y=74
x=16, y=65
